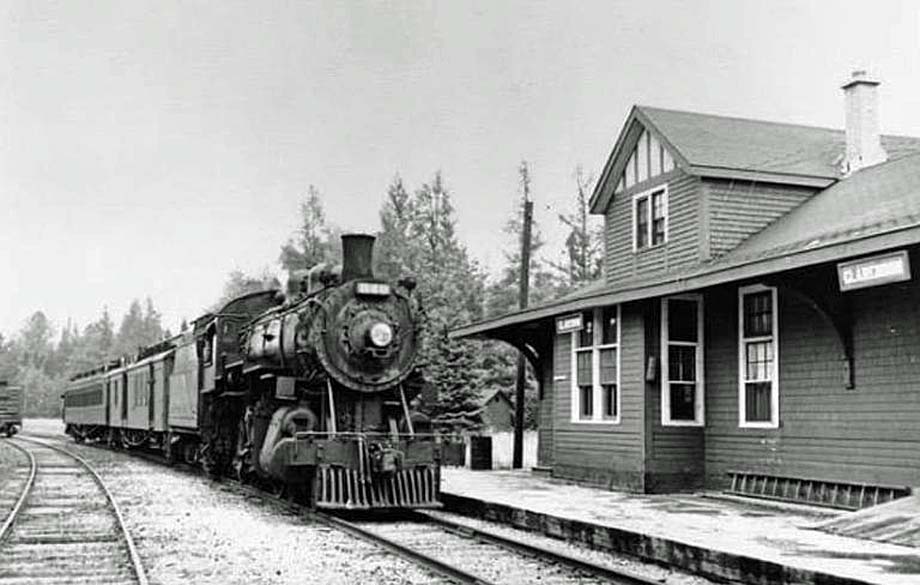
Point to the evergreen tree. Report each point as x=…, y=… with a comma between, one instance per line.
x=502, y=294
x=139, y=328
x=8, y=367
x=316, y=242
x=153, y=327
x=96, y=345
x=419, y=236
x=502, y=297
x=35, y=341
x=131, y=333
x=393, y=252
x=239, y=283
x=584, y=244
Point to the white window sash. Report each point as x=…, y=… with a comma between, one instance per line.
x=743, y=342
x=597, y=390
x=649, y=227
x=699, y=399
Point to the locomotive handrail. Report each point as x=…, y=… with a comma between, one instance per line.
x=360, y=434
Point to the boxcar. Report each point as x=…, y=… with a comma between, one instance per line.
x=144, y=397
x=10, y=409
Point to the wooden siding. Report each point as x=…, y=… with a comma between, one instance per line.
x=866, y=434
x=739, y=209
x=674, y=455
x=546, y=428
x=602, y=453
x=682, y=247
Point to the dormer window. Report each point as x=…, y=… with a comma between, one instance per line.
x=650, y=218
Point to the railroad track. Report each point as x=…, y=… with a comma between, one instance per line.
x=65, y=526
x=455, y=552
x=468, y=555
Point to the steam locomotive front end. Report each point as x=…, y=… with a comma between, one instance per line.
x=337, y=377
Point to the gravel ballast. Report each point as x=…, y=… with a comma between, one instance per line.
x=189, y=529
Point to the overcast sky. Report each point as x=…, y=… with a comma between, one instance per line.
x=149, y=148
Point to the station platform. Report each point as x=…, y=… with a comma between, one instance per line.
x=723, y=538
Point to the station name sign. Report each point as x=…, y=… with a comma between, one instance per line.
x=874, y=271
x=569, y=323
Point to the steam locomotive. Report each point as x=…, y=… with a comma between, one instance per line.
x=310, y=392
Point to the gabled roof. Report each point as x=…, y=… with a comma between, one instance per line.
x=873, y=201
x=872, y=210
x=723, y=146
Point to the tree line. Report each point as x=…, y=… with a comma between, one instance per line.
x=42, y=360
x=418, y=237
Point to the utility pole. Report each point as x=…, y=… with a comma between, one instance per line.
x=518, y=458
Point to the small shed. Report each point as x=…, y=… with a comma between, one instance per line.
x=496, y=412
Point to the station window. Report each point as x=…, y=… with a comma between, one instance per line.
x=650, y=218
x=758, y=357
x=596, y=367
x=682, y=386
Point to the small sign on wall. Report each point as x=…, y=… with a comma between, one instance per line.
x=569, y=323
x=874, y=271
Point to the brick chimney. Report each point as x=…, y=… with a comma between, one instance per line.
x=864, y=141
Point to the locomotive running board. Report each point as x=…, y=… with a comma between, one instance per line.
x=340, y=488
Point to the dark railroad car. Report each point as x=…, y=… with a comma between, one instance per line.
x=10, y=409
x=86, y=405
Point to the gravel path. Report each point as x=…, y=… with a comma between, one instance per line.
x=191, y=530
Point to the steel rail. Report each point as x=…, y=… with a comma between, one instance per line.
x=439, y=567
x=539, y=552
x=136, y=564
x=26, y=490
x=444, y=569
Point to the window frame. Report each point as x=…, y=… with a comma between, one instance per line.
x=699, y=402
x=597, y=398
x=650, y=229
x=773, y=423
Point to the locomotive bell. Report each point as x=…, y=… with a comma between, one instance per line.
x=357, y=256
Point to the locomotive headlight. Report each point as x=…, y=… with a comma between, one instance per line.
x=381, y=334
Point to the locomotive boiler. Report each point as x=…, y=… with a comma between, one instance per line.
x=331, y=375
x=310, y=392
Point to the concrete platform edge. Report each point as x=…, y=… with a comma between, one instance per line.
x=709, y=563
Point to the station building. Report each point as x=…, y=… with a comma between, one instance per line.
x=757, y=327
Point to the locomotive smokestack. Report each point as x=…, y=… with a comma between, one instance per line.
x=357, y=256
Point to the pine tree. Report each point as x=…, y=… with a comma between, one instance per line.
x=585, y=242
x=419, y=237
x=96, y=345
x=502, y=294
x=239, y=283
x=316, y=242
x=502, y=297
x=392, y=250
x=131, y=332
x=153, y=327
